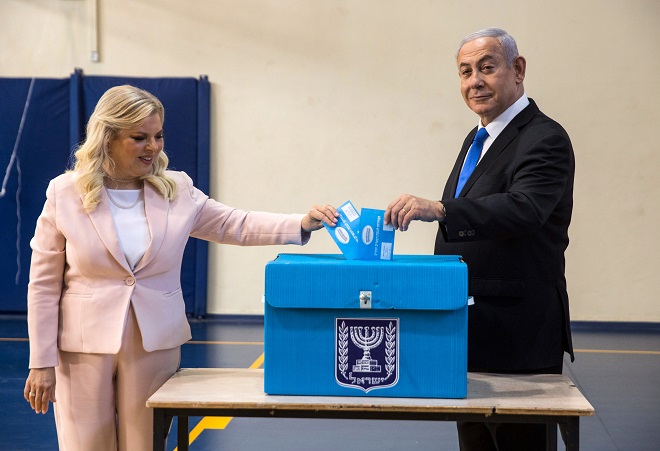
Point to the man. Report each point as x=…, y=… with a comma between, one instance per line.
x=509, y=220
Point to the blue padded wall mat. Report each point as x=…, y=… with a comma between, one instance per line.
x=53, y=125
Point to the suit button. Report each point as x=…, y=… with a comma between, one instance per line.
x=129, y=281
x=461, y=233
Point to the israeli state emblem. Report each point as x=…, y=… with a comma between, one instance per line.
x=367, y=352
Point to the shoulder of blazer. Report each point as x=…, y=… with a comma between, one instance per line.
x=533, y=120
x=64, y=188
x=525, y=116
x=179, y=176
x=183, y=180
x=65, y=180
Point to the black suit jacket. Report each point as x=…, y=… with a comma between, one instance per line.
x=510, y=224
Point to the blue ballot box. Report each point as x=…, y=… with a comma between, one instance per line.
x=338, y=327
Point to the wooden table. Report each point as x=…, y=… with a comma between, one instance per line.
x=551, y=399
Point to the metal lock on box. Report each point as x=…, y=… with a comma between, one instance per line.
x=365, y=299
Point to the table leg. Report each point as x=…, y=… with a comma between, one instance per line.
x=182, y=433
x=572, y=438
x=551, y=437
x=159, y=430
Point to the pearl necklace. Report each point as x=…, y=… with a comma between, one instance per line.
x=123, y=207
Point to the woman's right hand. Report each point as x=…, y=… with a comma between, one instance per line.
x=40, y=388
x=317, y=216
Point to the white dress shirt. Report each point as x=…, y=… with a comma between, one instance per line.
x=500, y=122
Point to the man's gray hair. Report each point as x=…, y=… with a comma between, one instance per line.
x=505, y=39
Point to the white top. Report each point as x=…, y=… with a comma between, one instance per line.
x=131, y=223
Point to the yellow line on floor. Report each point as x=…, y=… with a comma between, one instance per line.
x=257, y=363
x=217, y=422
x=207, y=423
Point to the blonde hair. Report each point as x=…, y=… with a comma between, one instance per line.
x=119, y=108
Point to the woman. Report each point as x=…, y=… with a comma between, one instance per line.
x=106, y=315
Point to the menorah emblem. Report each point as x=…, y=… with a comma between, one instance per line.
x=373, y=344
x=366, y=338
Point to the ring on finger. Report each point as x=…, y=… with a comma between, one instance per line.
x=404, y=210
x=33, y=394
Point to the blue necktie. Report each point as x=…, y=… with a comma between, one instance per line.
x=472, y=158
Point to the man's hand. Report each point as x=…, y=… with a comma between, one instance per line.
x=406, y=208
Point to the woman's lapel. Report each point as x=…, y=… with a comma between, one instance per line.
x=156, y=208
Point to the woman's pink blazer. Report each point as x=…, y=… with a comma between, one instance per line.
x=81, y=285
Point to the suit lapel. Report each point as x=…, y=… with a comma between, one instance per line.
x=156, y=208
x=499, y=145
x=104, y=224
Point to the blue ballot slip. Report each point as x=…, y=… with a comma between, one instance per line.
x=362, y=236
x=339, y=327
x=345, y=232
x=376, y=238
